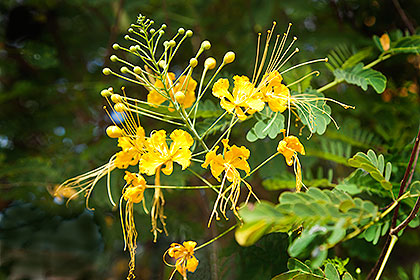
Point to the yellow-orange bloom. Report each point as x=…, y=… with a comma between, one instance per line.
x=289, y=147
x=184, y=255
x=133, y=192
x=157, y=154
x=234, y=158
x=132, y=148
x=274, y=92
x=184, y=85
x=244, y=99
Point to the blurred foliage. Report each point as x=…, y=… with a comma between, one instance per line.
x=52, y=127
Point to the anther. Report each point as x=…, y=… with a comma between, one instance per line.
x=189, y=33
x=116, y=47
x=193, y=62
x=294, y=38
x=326, y=59
x=163, y=26
x=113, y=58
x=120, y=107
x=181, y=31
x=133, y=48
x=179, y=97
x=126, y=37
x=172, y=43
x=114, y=131
x=130, y=30
x=297, y=50
x=210, y=63
x=116, y=98
x=152, y=30
x=229, y=57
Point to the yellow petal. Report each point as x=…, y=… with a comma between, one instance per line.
x=220, y=88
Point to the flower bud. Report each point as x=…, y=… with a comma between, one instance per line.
x=120, y=107
x=116, y=98
x=106, y=93
x=162, y=64
x=179, y=97
x=106, y=71
x=124, y=70
x=193, y=62
x=205, y=45
x=114, y=131
x=137, y=70
x=229, y=57
x=210, y=63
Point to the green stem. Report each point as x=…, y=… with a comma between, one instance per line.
x=329, y=85
x=217, y=237
x=262, y=164
x=182, y=187
x=215, y=122
x=204, y=180
x=380, y=59
x=394, y=239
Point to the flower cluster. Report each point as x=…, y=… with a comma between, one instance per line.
x=174, y=100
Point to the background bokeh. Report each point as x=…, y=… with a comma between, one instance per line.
x=52, y=127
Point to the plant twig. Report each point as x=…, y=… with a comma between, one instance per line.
x=408, y=219
x=404, y=17
x=406, y=180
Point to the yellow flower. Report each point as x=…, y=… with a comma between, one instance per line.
x=133, y=192
x=234, y=158
x=289, y=147
x=244, y=99
x=158, y=154
x=184, y=85
x=274, y=92
x=132, y=148
x=184, y=255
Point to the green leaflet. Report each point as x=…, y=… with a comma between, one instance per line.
x=375, y=166
x=269, y=124
x=313, y=110
x=362, y=77
x=327, y=213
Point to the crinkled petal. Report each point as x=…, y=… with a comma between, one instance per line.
x=220, y=89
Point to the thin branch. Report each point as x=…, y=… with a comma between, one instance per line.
x=407, y=220
x=406, y=180
x=404, y=17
